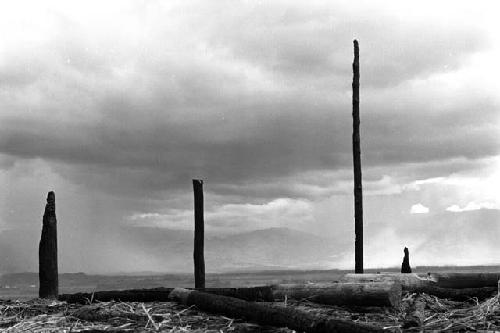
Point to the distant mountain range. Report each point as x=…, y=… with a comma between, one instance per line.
x=445, y=239
x=272, y=248
x=171, y=250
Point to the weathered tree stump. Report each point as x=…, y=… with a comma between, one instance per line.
x=405, y=266
x=47, y=252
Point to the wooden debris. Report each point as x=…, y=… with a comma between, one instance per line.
x=465, y=280
x=350, y=294
x=417, y=313
x=161, y=295
x=40, y=316
x=428, y=284
x=463, y=294
x=267, y=314
x=408, y=281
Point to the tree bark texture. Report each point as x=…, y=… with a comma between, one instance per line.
x=386, y=294
x=199, y=235
x=407, y=281
x=267, y=314
x=47, y=251
x=254, y=294
x=356, y=151
x=465, y=280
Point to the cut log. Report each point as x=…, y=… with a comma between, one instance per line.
x=161, y=295
x=465, y=280
x=267, y=314
x=464, y=294
x=351, y=294
x=408, y=281
x=424, y=283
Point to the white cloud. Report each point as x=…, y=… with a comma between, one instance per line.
x=419, y=209
x=472, y=206
x=281, y=212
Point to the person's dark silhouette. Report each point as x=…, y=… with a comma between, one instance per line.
x=405, y=267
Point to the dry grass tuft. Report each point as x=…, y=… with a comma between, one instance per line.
x=434, y=314
x=39, y=316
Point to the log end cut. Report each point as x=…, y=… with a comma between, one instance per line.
x=180, y=295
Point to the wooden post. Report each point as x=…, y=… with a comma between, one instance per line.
x=199, y=234
x=47, y=252
x=356, y=151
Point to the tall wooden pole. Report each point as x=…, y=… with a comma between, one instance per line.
x=356, y=151
x=199, y=235
x=47, y=252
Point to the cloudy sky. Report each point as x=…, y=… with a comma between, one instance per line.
x=117, y=105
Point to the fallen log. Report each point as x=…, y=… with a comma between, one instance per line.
x=463, y=294
x=408, y=281
x=355, y=294
x=267, y=314
x=450, y=285
x=465, y=280
x=161, y=295
x=350, y=294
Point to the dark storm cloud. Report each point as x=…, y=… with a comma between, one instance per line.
x=310, y=44
x=128, y=159
x=253, y=93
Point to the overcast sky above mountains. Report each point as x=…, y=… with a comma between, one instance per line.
x=117, y=105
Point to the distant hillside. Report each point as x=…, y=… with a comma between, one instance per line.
x=268, y=248
x=434, y=239
x=261, y=249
